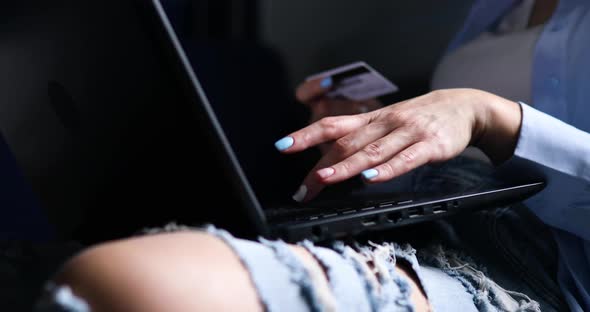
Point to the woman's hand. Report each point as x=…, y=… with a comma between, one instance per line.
x=312, y=94
x=395, y=139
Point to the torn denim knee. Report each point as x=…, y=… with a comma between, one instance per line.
x=387, y=290
x=299, y=273
x=347, y=286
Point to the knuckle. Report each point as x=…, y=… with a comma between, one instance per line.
x=329, y=124
x=408, y=157
x=386, y=170
x=306, y=138
x=435, y=93
x=373, y=151
x=434, y=128
x=396, y=116
x=435, y=132
x=425, y=127
x=438, y=95
x=343, y=145
x=345, y=167
x=441, y=148
x=416, y=125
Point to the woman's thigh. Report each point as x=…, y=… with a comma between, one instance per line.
x=184, y=271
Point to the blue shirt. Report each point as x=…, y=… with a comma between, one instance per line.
x=555, y=135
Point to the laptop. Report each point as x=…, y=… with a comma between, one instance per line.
x=109, y=120
x=350, y=210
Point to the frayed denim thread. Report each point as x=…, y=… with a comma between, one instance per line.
x=471, y=276
x=369, y=287
x=310, y=247
x=380, y=256
x=395, y=251
x=299, y=274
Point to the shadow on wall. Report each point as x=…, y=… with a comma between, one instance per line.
x=401, y=39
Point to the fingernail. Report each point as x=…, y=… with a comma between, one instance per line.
x=326, y=83
x=326, y=172
x=284, y=143
x=300, y=195
x=370, y=173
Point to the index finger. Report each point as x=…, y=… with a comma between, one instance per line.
x=312, y=89
x=325, y=130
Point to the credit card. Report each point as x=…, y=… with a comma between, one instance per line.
x=356, y=81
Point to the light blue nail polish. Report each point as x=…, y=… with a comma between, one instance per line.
x=284, y=143
x=326, y=82
x=370, y=173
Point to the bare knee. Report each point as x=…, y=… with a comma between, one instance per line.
x=167, y=272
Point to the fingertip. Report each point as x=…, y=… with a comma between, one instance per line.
x=326, y=83
x=325, y=173
x=309, y=189
x=284, y=143
x=370, y=174
x=301, y=193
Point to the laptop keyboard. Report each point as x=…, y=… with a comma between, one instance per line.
x=328, y=210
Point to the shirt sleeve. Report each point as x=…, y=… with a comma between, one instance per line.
x=561, y=154
x=553, y=143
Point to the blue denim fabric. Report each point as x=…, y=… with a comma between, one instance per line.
x=451, y=282
x=511, y=244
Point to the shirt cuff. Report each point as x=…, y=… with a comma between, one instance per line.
x=551, y=142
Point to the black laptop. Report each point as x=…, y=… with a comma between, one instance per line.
x=129, y=130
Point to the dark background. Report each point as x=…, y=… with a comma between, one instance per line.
x=402, y=39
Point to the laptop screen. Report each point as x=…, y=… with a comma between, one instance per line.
x=246, y=85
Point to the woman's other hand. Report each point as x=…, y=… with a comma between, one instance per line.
x=312, y=93
x=393, y=140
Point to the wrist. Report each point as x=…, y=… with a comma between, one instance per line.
x=498, y=127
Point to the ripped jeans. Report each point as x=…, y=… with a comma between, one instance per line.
x=360, y=277
x=472, y=263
